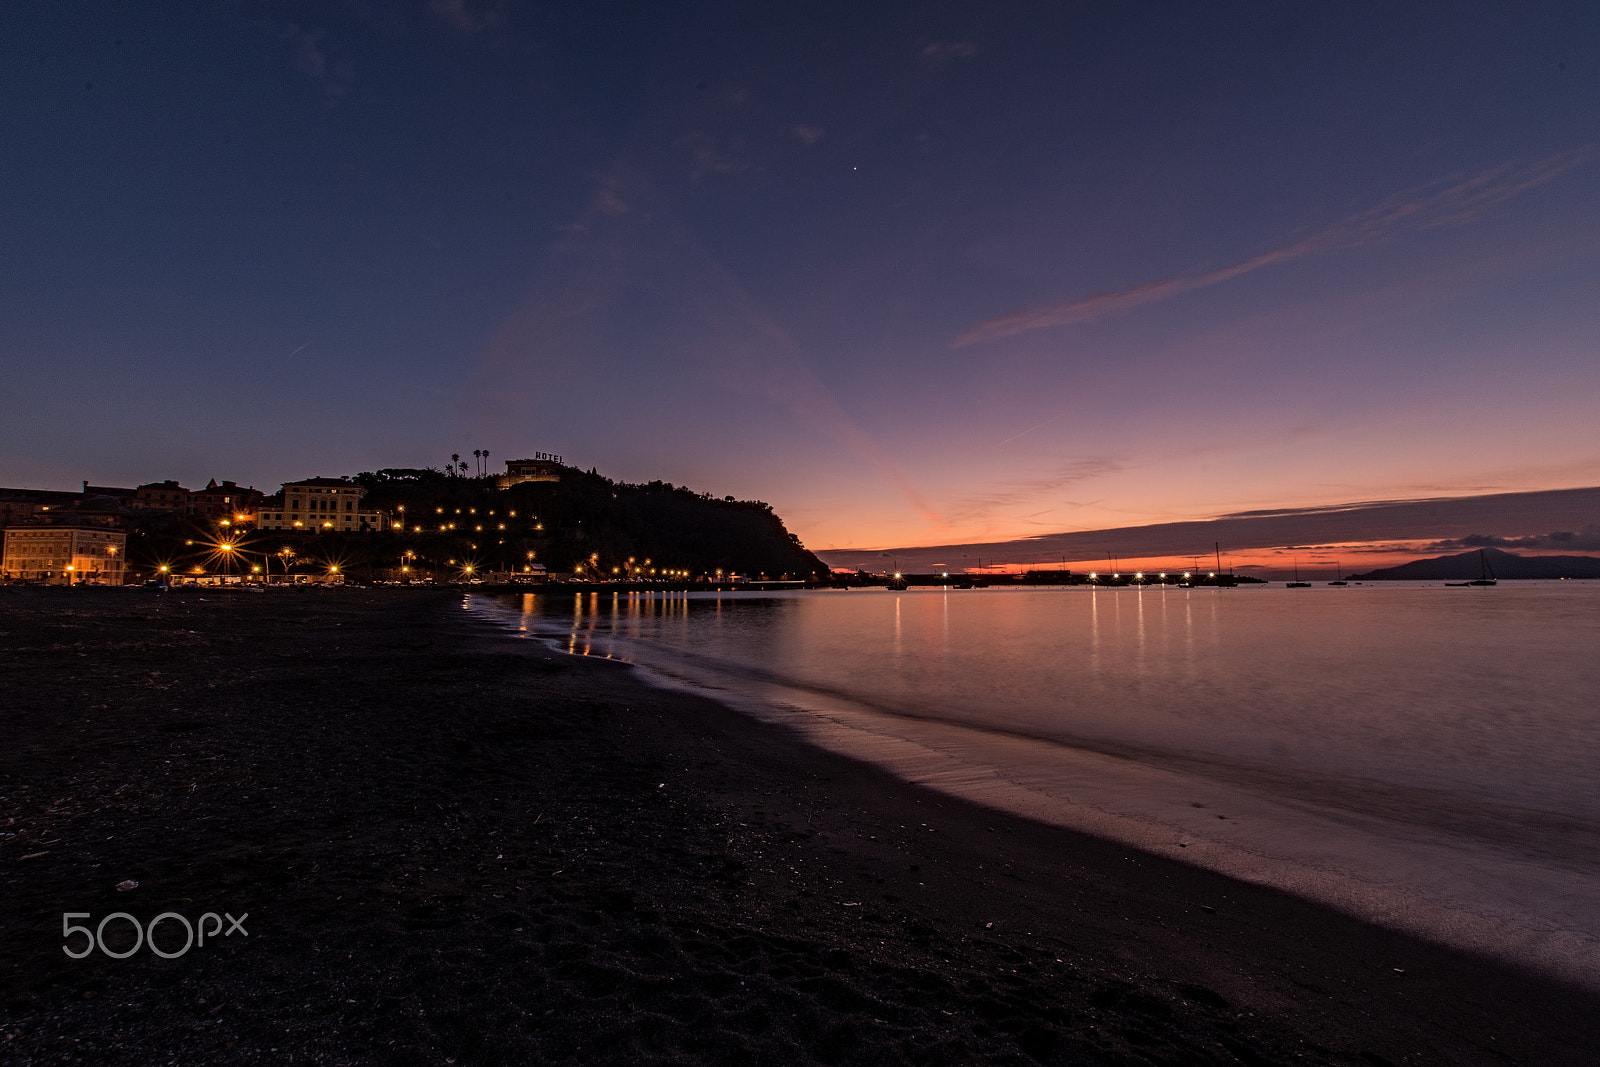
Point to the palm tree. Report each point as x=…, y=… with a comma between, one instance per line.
x=486, y=463
x=477, y=454
x=455, y=458
x=463, y=468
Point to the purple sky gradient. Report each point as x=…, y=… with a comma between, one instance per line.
x=914, y=273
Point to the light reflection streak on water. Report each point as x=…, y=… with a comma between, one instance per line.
x=1094, y=628
x=1140, y=656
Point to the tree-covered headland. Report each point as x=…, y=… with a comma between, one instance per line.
x=447, y=526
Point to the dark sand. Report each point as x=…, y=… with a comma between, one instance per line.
x=459, y=847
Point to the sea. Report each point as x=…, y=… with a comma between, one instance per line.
x=1421, y=756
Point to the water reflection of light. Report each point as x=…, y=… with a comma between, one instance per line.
x=1188, y=629
x=1094, y=627
x=944, y=635
x=897, y=643
x=1139, y=639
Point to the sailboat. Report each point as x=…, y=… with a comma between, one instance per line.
x=1340, y=570
x=1223, y=581
x=1297, y=583
x=1485, y=572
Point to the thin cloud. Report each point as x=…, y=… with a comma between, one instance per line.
x=311, y=58
x=707, y=157
x=944, y=51
x=1586, y=540
x=982, y=506
x=1431, y=207
x=467, y=18
x=1024, y=433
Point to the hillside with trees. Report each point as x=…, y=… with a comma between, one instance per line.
x=585, y=523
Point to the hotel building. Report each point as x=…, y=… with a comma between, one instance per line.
x=543, y=467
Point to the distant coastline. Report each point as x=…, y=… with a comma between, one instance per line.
x=1505, y=565
x=1388, y=532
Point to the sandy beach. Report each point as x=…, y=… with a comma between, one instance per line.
x=453, y=845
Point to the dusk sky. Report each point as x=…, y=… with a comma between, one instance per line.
x=913, y=273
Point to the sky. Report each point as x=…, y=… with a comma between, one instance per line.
x=916, y=274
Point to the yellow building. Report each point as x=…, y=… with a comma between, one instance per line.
x=543, y=467
x=320, y=505
x=64, y=555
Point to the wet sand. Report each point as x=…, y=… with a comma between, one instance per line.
x=454, y=845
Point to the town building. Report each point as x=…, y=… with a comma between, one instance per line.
x=543, y=467
x=27, y=506
x=162, y=496
x=226, y=502
x=320, y=505
x=17, y=506
x=64, y=555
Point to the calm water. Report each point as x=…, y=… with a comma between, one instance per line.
x=1419, y=755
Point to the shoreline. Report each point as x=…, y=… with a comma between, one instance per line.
x=528, y=856
x=1352, y=860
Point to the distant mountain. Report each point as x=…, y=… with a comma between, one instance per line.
x=1504, y=564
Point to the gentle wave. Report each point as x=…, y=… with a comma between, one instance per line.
x=1483, y=863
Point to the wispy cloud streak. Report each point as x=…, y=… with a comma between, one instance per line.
x=1434, y=206
x=983, y=506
